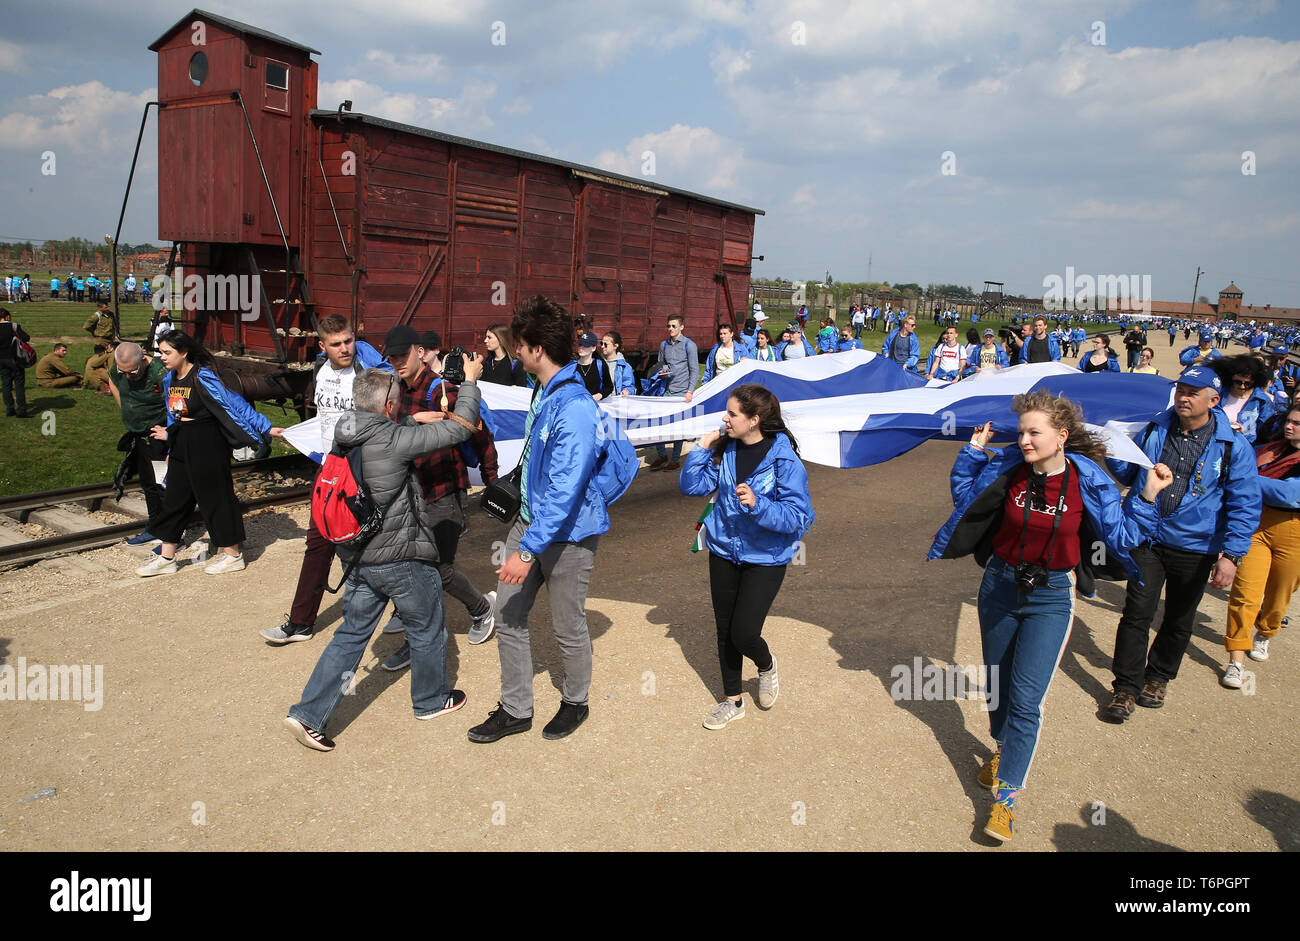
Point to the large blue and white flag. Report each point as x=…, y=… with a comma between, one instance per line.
x=857, y=408
x=848, y=409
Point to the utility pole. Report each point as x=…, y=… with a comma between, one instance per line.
x=1196, y=284
x=868, y=267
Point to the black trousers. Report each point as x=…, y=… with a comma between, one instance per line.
x=742, y=596
x=147, y=450
x=13, y=387
x=1183, y=575
x=198, y=473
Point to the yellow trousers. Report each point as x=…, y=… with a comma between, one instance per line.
x=1266, y=580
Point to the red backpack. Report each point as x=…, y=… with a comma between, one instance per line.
x=342, y=509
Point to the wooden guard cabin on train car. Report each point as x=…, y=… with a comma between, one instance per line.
x=385, y=224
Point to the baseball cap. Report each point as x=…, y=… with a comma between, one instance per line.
x=988, y=332
x=399, y=340
x=588, y=339
x=1207, y=334
x=430, y=340
x=1202, y=377
x=1280, y=350
x=757, y=307
x=758, y=314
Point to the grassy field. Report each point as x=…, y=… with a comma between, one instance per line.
x=72, y=438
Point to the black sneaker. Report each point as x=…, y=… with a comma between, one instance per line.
x=308, y=736
x=454, y=701
x=287, y=633
x=499, y=724
x=566, y=720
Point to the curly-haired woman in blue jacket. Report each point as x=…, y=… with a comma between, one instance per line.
x=1032, y=515
x=762, y=508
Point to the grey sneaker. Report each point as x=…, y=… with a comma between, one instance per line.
x=1231, y=676
x=482, y=629
x=1260, y=650
x=398, y=661
x=727, y=711
x=769, y=686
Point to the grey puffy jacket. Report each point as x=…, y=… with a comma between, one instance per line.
x=387, y=450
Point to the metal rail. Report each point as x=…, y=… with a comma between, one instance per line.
x=96, y=493
x=38, y=549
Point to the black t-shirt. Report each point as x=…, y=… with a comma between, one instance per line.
x=184, y=401
x=749, y=456
x=8, y=329
x=504, y=371
x=596, y=377
x=1039, y=350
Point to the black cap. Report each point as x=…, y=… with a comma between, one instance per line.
x=399, y=340
x=430, y=340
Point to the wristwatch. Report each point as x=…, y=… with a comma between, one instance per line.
x=525, y=556
x=1232, y=557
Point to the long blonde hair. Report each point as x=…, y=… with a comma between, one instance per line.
x=1063, y=415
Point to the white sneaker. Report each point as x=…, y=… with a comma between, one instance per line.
x=768, y=687
x=1231, y=676
x=227, y=563
x=157, y=566
x=1260, y=650
x=726, y=711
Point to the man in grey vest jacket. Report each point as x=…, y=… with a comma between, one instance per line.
x=399, y=562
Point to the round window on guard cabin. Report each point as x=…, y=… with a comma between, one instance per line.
x=198, y=68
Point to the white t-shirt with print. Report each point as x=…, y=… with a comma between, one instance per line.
x=333, y=398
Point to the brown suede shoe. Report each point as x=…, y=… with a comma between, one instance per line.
x=1153, y=694
x=658, y=462
x=1121, y=706
x=673, y=465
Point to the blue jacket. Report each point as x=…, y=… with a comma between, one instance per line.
x=623, y=377
x=739, y=351
x=749, y=339
x=782, y=511
x=1283, y=494
x=826, y=340
x=563, y=504
x=807, y=347
x=842, y=346
x=973, y=359
x=913, y=355
x=1258, y=409
x=242, y=425
x=1053, y=348
x=1211, y=518
x=1188, y=356
x=1112, y=361
x=979, y=490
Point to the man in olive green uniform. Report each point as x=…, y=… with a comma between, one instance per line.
x=100, y=324
x=97, y=369
x=53, y=373
x=136, y=382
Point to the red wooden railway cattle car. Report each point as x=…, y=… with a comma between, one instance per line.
x=383, y=223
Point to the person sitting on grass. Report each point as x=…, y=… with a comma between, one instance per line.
x=53, y=373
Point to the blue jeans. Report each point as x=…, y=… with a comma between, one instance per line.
x=1024, y=637
x=662, y=450
x=416, y=591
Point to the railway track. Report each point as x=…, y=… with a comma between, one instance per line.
x=67, y=510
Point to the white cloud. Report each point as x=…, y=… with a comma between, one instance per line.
x=692, y=158
x=406, y=68
x=466, y=115
x=11, y=57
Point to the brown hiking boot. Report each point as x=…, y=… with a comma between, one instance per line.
x=1153, y=694
x=658, y=462
x=1122, y=705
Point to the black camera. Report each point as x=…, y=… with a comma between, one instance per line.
x=1005, y=334
x=453, y=365
x=1030, y=576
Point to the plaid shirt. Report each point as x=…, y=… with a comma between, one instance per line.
x=443, y=473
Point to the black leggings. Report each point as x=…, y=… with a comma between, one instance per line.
x=198, y=472
x=742, y=596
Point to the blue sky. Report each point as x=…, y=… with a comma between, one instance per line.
x=1117, y=158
